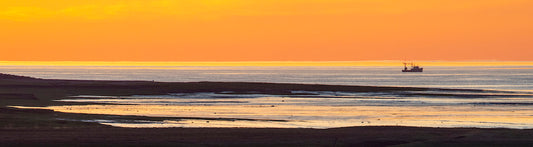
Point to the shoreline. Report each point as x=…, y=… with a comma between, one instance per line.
x=47, y=127
x=42, y=131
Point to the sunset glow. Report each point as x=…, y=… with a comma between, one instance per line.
x=269, y=30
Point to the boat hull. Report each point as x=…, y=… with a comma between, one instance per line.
x=413, y=70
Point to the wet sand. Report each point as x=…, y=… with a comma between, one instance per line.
x=37, y=128
x=46, y=127
x=356, y=136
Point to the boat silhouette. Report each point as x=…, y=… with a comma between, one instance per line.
x=413, y=67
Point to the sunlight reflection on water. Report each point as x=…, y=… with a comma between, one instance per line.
x=325, y=110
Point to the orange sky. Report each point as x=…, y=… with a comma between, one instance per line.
x=265, y=30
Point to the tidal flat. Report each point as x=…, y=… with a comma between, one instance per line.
x=48, y=127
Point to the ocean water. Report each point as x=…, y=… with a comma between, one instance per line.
x=505, y=102
x=480, y=77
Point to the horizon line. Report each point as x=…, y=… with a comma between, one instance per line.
x=269, y=63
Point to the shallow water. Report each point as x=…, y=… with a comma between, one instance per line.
x=323, y=110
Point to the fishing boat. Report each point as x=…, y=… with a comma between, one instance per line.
x=413, y=67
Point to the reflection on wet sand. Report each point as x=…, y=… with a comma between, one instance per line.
x=316, y=116
x=324, y=110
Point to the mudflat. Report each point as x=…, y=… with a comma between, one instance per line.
x=356, y=136
x=47, y=127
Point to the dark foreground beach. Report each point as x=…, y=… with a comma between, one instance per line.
x=357, y=136
x=47, y=127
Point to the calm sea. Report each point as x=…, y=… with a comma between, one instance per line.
x=506, y=103
x=482, y=77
